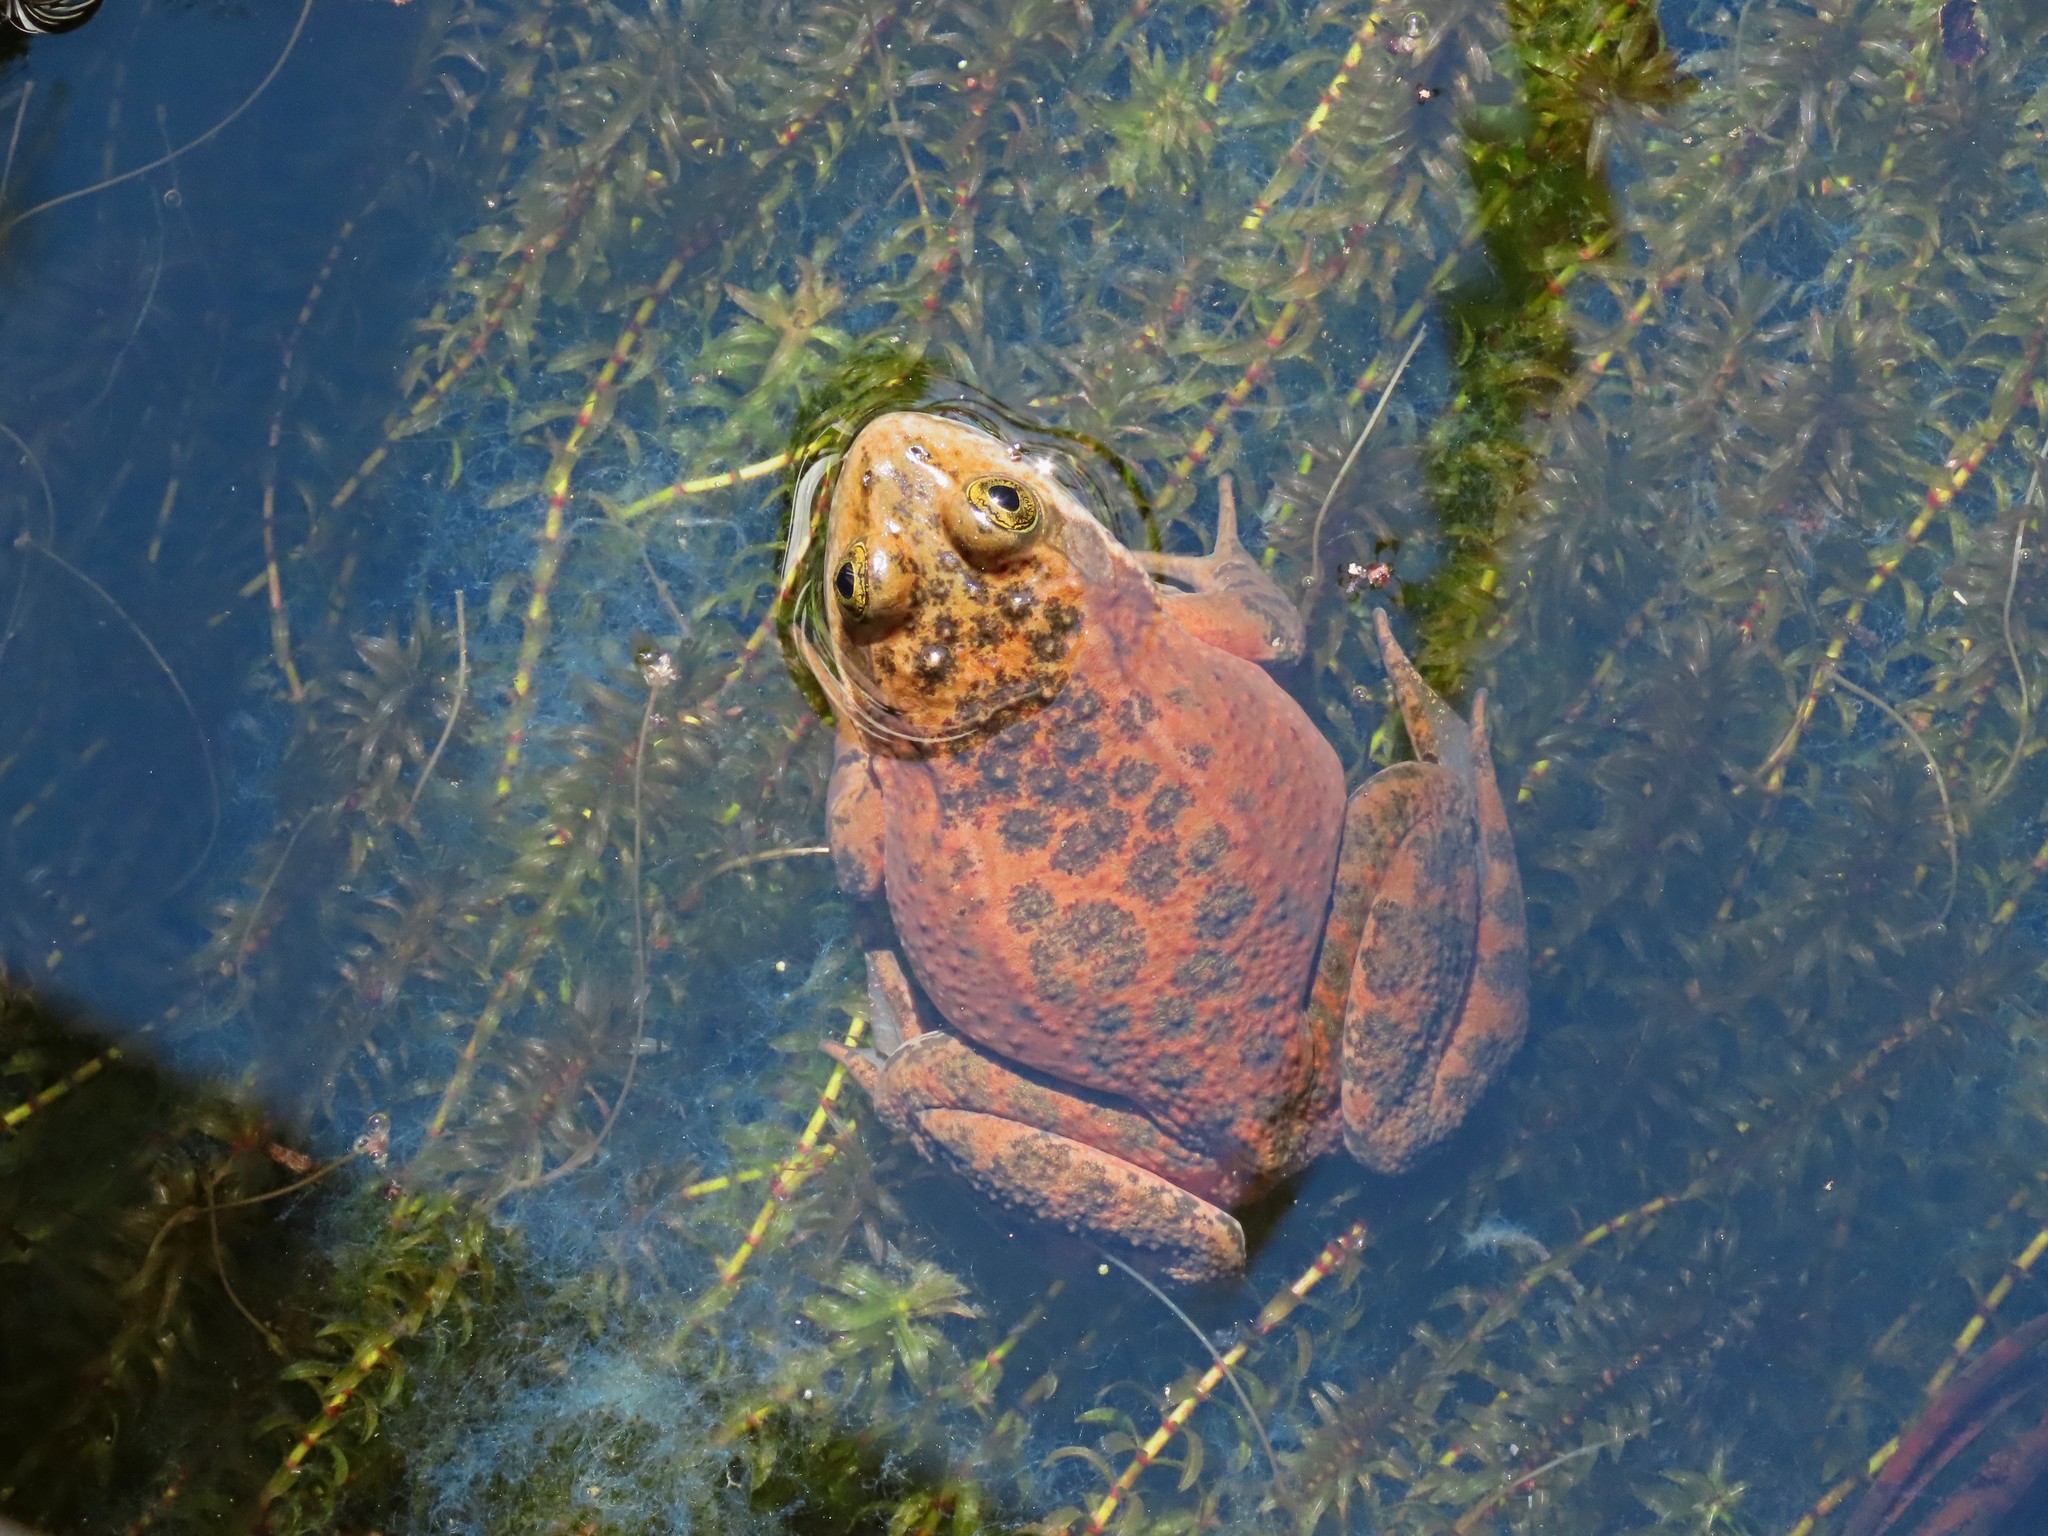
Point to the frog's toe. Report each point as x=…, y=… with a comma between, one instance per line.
x=1210, y=572
x=1228, y=599
x=862, y=1064
x=1434, y=729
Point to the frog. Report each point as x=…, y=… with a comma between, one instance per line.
x=1134, y=956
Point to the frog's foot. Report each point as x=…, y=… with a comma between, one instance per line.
x=1434, y=729
x=1099, y=1171
x=1230, y=601
x=1428, y=905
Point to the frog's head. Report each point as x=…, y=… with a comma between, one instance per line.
x=955, y=571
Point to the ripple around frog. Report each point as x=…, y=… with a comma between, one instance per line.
x=1771, y=425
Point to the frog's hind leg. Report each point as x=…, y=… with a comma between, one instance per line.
x=1437, y=994
x=1095, y=1169
x=1231, y=602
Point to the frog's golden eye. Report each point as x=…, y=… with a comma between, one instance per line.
x=1010, y=506
x=850, y=581
x=995, y=521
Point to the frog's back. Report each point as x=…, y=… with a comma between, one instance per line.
x=1125, y=889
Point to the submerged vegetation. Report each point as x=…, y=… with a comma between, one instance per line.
x=1718, y=461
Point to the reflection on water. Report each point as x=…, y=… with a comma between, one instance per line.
x=417, y=932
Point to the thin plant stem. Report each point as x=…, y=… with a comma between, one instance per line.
x=220, y=1266
x=290, y=43
x=1492, y=1501
x=14, y=140
x=269, y=884
x=179, y=1218
x=1941, y=785
x=28, y=541
x=768, y=855
x=924, y=208
x=2019, y=670
x=589, y=1149
x=7, y=631
x=1315, y=561
x=454, y=709
x=1258, y=1425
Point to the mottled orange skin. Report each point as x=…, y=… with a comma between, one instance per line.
x=1109, y=849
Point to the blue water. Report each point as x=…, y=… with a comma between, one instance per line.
x=141, y=342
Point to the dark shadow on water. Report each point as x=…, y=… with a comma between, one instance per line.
x=153, y=1267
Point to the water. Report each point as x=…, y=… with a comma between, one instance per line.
x=457, y=918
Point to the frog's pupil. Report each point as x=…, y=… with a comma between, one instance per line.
x=843, y=582
x=1005, y=496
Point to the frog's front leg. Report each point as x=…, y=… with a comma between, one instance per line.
x=1428, y=906
x=1231, y=603
x=854, y=823
x=1099, y=1171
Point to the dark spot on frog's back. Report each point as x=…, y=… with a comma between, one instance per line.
x=1106, y=1034
x=1031, y=905
x=1025, y=828
x=1094, y=944
x=1076, y=747
x=1222, y=909
x=999, y=762
x=1048, y=648
x=1173, y=1015
x=1165, y=806
x=1154, y=870
x=1086, y=843
x=932, y=661
x=1263, y=1051
x=1205, y=974
x=1131, y=777
x=1208, y=848
x=1050, y=641
x=1049, y=784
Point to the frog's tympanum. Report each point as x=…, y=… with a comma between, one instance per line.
x=1141, y=958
